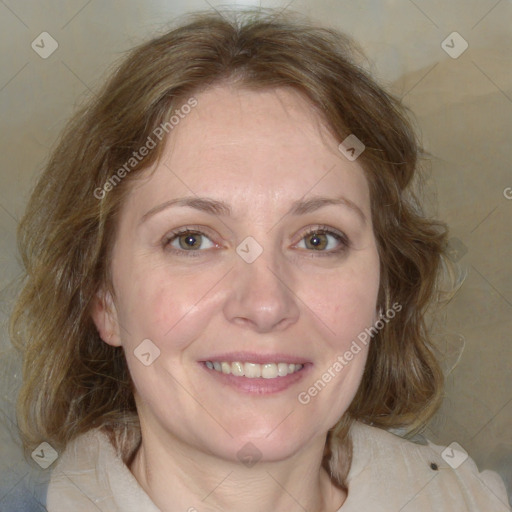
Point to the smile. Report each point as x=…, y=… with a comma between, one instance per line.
x=254, y=370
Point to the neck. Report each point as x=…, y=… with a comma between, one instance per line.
x=179, y=477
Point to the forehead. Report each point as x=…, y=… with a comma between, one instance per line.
x=252, y=145
x=232, y=123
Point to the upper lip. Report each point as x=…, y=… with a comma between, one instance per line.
x=252, y=357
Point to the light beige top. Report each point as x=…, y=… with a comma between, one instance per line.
x=388, y=474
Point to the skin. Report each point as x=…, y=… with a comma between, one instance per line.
x=258, y=151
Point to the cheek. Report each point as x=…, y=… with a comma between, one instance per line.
x=346, y=305
x=346, y=302
x=160, y=306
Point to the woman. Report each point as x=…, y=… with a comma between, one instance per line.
x=227, y=277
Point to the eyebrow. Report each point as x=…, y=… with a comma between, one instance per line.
x=220, y=208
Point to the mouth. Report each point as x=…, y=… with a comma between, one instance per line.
x=254, y=370
x=256, y=374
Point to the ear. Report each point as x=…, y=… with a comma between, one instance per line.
x=104, y=315
x=376, y=314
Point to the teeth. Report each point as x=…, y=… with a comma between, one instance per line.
x=269, y=371
x=237, y=369
x=282, y=369
x=254, y=370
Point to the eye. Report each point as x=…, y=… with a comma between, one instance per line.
x=188, y=240
x=323, y=240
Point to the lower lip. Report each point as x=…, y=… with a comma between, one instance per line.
x=258, y=386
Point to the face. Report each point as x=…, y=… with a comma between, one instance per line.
x=246, y=260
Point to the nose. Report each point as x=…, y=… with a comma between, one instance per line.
x=261, y=296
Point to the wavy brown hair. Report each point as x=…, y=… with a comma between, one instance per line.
x=73, y=381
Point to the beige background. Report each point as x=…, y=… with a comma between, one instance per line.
x=464, y=110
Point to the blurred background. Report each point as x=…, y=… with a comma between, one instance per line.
x=450, y=62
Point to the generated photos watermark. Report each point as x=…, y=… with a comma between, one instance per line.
x=304, y=397
x=159, y=133
x=44, y=455
x=351, y=147
x=454, y=454
x=147, y=352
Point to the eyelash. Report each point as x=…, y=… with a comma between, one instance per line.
x=340, y=237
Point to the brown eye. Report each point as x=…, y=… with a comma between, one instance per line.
x=316, y=241
x=324, y=241
x=189, y=241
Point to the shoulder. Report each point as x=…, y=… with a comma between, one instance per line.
x=389, y=472
x=90, y=472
